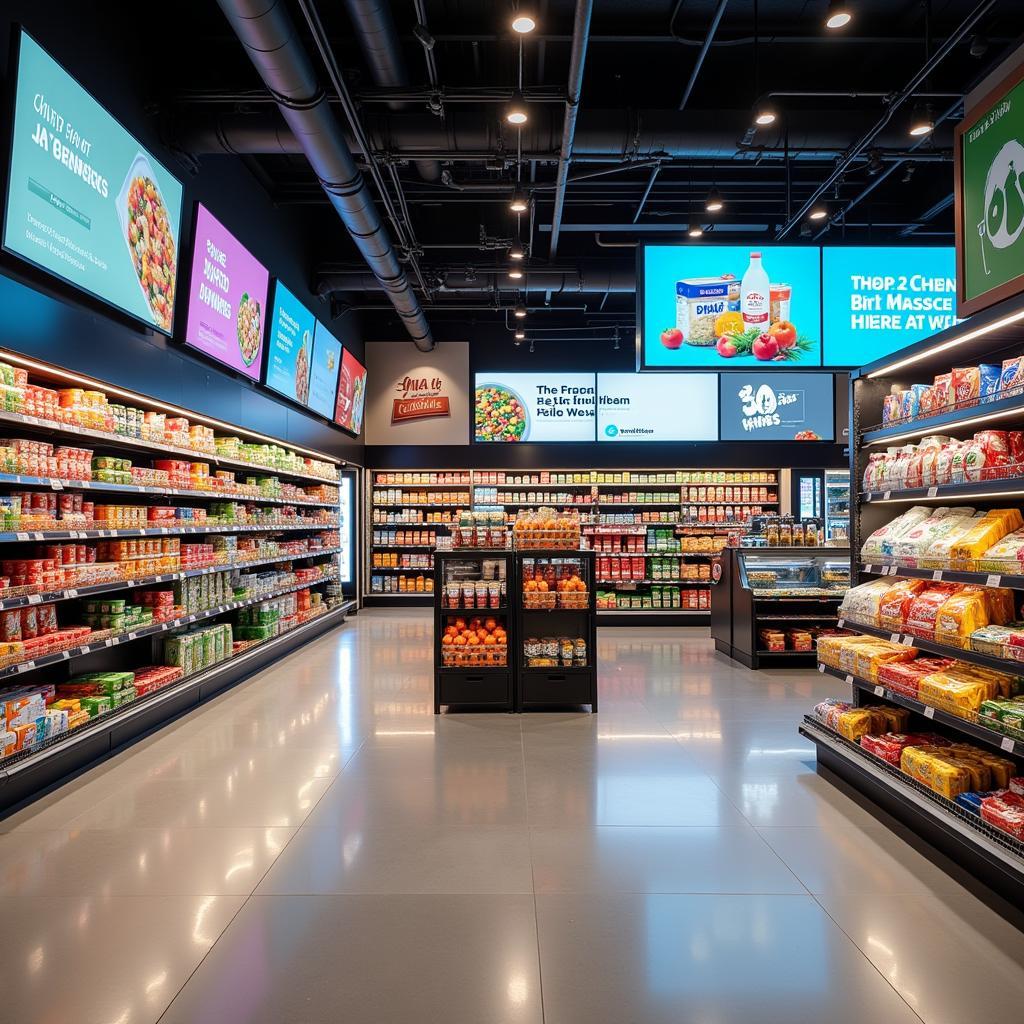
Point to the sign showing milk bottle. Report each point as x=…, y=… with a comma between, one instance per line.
x=755, y=292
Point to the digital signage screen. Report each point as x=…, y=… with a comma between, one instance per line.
x=348, y=412
x=727, y=307
x=777, y=406
x=85, y=201
x=324, y=369
x=879, y=299
x=289, y=347
x=227, y=300
x=657, y=407
x=534, y=407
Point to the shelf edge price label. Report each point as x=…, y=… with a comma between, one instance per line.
x=894, y=638
x=869, y=568
x=907, y=641
x=885, y=495
x=1007, y=744
x=879, y=691
x=993, y=580
x=821, y=669
x=56, y=484
x=937, y=576
x=929, y=712
x=839, y=623
x=933, y=492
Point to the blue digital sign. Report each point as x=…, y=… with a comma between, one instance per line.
x=879, y=299
x=777, y=406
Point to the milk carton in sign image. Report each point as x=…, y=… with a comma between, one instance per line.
x=733, y=306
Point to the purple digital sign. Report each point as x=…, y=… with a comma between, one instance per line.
x=227, y=303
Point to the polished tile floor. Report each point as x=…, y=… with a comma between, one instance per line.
x=316, y=846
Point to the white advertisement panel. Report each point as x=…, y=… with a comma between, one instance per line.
x=551, y=406
x=657, y=407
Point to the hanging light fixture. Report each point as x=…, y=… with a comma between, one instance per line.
x=839, y=14
x=523, y=23
x=714, y=201
x=519, y=336
x=520, y=311
x=515, y=273
x=531, y=344
x=516, y=112
x=765, y=112
x=922, y=120
x=694, y=230
x=518, y=203
x=517, y=252
x=819, y=212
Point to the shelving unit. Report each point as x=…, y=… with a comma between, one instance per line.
x=990, y=855
x=612, y=503
x=70, y=540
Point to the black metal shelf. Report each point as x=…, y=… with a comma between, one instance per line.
x=984, y=579
x=968, y=416
x=947, y=492
x=1002, y=742
x=155, y=531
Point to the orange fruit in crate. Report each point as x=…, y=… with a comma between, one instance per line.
x=474, y=623
x=447, y=639
x=542, y=586
x=530, y=587
x=452, y=631
x=490, y=625
x=490, y=640
x=460, y=624
x=460, y=641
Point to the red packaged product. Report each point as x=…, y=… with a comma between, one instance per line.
x=46, y=616
x=10, y=625
x=966, y=386
x=1006, y=812
x=29, y=623
x=925, y=608
x=994, y=448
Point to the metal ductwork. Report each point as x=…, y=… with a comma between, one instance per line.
x=375, y=29
x=265, y=29
x=610, y=135
x=584, y=280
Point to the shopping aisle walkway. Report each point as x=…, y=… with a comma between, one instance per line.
x=317, y=846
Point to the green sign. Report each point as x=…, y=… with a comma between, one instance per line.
x=85, y=201
x=990, y=191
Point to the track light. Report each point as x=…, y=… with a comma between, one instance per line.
x=694, y=230
x=839, y=14
x=765, y=112
x=874, y=162
x=515, y=112
x=922, y=120
x=908, y=174
x=805, y=230
x=714, y=201
x=517, y=252
x=520, y=311
x=518, y=203
x=518, y=340
x=515, y=273
x=523, y=23
x=531, y=344
x=818, y=213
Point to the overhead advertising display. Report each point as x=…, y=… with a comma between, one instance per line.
x=324, y=369
x=777, y=406
x=534, y=407
x=878, y=299
x=348, y=410
x=289, y=346
x=657, y=407
x=227, y=302
x=85, y=201
x=730, y=307
x=989, y=213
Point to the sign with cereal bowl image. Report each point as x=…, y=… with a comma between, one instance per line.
x=730, y=306
x=515, y=407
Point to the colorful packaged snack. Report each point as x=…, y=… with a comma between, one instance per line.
x=908, y=403
x=942, y=393
x=991, y=375
x=1005, y=811
x=966, y=386
x=924, y=610
x=890, y=409
x=1012, y=382
x=959, y=617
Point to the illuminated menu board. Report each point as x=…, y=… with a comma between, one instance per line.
x=657, y=407
x=289, y=346
x=348, y=411
x=323, y=374
x=515, y=407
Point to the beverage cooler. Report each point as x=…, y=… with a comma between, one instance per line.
x=837, y=506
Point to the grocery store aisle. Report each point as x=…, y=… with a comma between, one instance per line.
x=316, y=846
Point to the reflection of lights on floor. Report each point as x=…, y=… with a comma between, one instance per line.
x=198, y=936
x=403, y=732
x=156, y=982
x=36, y=959
x=697, y=734
x=518, y=990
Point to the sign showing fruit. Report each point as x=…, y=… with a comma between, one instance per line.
x=730, y=306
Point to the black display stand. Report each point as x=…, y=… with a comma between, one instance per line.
x=481, y=685
x=737, y=614
x=516, y=686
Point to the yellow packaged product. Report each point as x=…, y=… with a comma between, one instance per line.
x=849, y=652
x=1005, y=685
x=891, y=719
x=981, y=774
x=982, y=535
x=830, y=648
x=1000, y=603
x=892, y=607
x=1001, y=768
x=940, y=776
x=960, y=616
x=959, y=696
x=856, y=722
x=867, y=661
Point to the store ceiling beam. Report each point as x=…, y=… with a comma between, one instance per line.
x=708, y=40
x=929, y=215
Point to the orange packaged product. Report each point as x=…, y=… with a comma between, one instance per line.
x=894, y=604
x=960, y=616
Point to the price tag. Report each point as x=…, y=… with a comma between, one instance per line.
x=929, y=712
x=821, y=669
x=993, y=580
x=894, y=638
x=67, y=654
x=22, y=536
x=849, y=678
x=890, y=570
x=869, y=568
x=840, y=623
x=109, y=642
x=886, y=494
x=56, y=484
x=1007, y=744
x=132, y=636
x=35, y=598
x=879, y=691
x=933, y=492
x=38, y=536
x=907, y=641
x=937, y=576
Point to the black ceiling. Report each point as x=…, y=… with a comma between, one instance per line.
x=641, y=166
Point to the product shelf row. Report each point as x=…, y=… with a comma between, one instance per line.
x=984, y=579
x=158, y=531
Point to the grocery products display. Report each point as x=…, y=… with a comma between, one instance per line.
x=680, y=518
x=776, y=602
x=935, y=609
x=132, y=538
x=837, y=506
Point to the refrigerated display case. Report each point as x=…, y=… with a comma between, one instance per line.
x=771, y=603
x=837, y=506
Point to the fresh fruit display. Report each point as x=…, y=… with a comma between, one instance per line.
x=474, y=643
x=547, y=528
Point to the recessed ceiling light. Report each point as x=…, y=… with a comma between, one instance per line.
x=922, y=120
x=515, y=273
x=818, y=213
x=839, y=14
x=714, y=201
x=520, y=311
x=515, y=112
x=518, y=203
x=765, y=112
x=523, y=23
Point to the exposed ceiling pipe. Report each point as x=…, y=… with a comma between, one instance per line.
x=708, y=39
x=375, y=29
x=580, y=32
x=647, y=191
x=920, y=76
x=268, y=34
x=932, y=212
x=596, y=280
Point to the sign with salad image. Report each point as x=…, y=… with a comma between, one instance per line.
x=289, y=347
x=726, y=307
x=85, y=201
x=516, y=407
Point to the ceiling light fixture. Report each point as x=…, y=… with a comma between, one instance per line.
x=518, y=204
x=765, y=112
x=839, y=14
x=523, y=23
x=694, y=230
x=515, y=112
x=922, y=120
x=515, y=273
x=875, y=164
x=714, y=201
x=531, y=344
x=517, y=252
x=520, y=311
x=520, y=335
x=818, y=213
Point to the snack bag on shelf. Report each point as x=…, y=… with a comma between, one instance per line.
x=890, y=746
x=828, y=711
x=1006, y=812
x=924, y=609
x=966, y=386
x=993, y=639
x=991, y=375
x=1002, y=715
x=874, y=547
x=957, y=696
x=856, y=722
x=911, y=545
x=942, y=393
x=1012, y=380
x=960, y=616
x=983, y=533
x=1005, y=556
x=938, y=553
x=905, y=677
x=861, y=603
x=927, y=766
x=892, y=608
